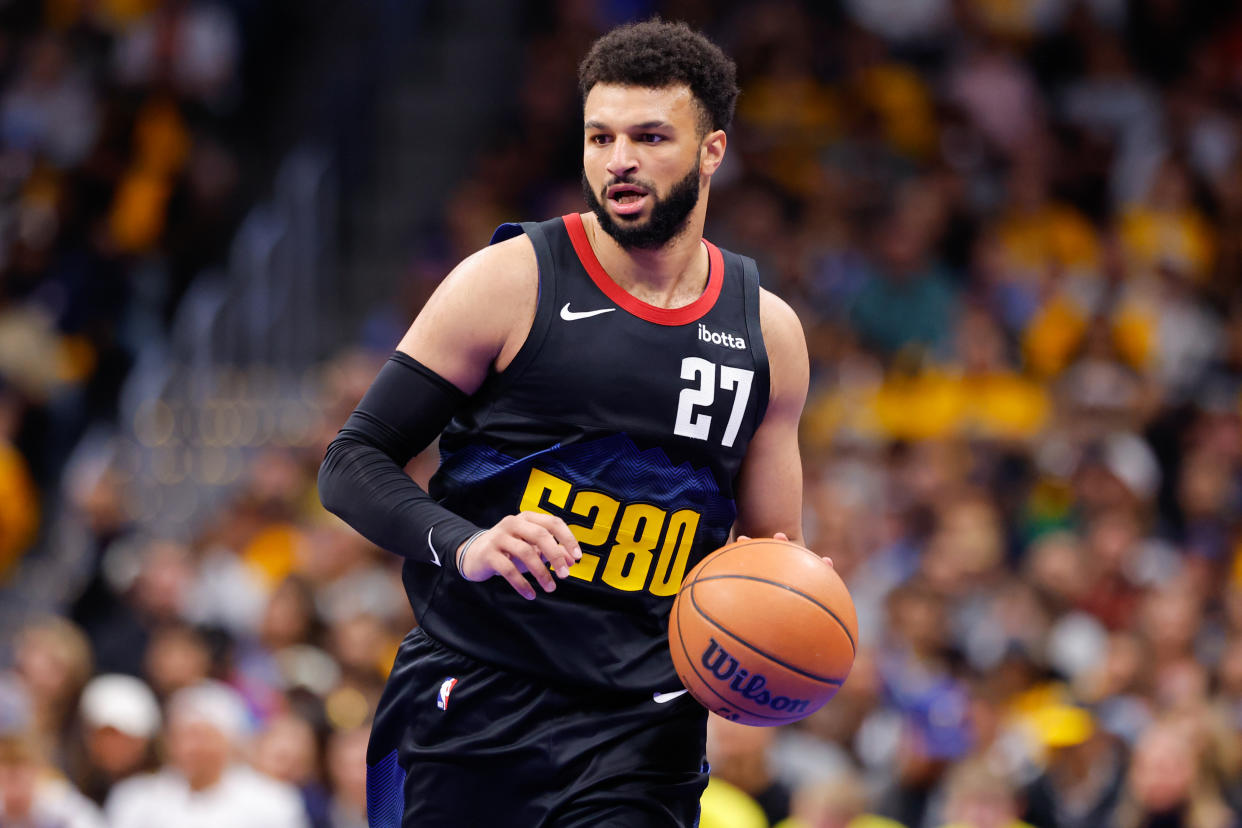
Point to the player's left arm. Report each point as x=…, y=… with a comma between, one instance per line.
x=769, y=495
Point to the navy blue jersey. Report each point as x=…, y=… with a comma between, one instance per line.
x=630, y=422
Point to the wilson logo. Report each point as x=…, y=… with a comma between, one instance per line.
x=749, y=685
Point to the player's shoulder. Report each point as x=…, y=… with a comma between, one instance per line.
x=480, y=312
x=494, y=287
x=506, y=263
x=782, y=329
x=788, y=360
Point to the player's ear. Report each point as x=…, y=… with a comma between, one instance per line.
x=712, y=151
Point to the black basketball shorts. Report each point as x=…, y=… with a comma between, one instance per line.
x=459, y=744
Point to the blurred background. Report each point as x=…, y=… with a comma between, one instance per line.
x=1012, y=230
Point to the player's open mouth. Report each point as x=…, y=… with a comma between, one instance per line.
x=627, y=199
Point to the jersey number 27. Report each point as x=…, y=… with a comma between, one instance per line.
x=698, y=424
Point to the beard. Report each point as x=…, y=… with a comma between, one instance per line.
x=668, y=213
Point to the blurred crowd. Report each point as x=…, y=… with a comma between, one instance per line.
x=1011, y=230
x=133, y=133
x=119, y=182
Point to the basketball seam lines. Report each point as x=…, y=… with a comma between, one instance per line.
x=795, y=591
x=745, y=643
x=702, y=680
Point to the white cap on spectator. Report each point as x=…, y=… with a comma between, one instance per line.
x=1133, y=462
x=212, y=703
x=121, y=702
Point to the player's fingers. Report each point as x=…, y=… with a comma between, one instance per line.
x=506, y=569
x=743, y=537
x=511, y=541
x=826, y=560
x=560, y=531
x=513, y=547
x=546, y=545
x=526, y=558
x=781, y=536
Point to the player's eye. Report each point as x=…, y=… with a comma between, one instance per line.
x=599, y=139
x=651, y=138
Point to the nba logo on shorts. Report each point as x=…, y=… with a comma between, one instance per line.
x=446, y=687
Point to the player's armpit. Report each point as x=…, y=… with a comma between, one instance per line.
x=770, y=482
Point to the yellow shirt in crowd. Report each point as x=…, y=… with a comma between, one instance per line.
x=863, y=821
x=726, y=806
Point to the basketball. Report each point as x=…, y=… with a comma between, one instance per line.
x=763, y=632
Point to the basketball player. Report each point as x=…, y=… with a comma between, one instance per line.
x=613, y=395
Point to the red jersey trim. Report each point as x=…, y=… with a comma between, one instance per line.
x=652, y=313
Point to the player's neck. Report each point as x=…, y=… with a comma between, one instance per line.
x=669, y=276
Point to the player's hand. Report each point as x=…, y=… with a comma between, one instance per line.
x=529, y=542
x=784, y=537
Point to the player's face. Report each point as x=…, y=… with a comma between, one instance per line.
x=643, y=161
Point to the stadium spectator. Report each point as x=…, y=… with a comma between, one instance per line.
x=184, y=46
x=1170, y=780
x=725, y=806
x=288, y=750
x=1083, y=772
x=120, y=721
x=203, y=781
x=33, y=794
x=978, y=797
x=840, y=802
x=346, y=765
x=49, y=111
x=53, y=663
x=739, y=755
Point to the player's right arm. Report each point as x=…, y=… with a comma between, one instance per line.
x=476, y=321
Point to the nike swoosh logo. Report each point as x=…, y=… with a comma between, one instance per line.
x=665, y=698
x=570, y=316
x=435, y=558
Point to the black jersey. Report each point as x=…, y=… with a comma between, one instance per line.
x=630, y=422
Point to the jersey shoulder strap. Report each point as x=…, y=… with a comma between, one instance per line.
x=754, y=328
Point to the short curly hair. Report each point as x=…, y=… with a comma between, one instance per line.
x=656, y=54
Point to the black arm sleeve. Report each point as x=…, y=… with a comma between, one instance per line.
x=362, y=478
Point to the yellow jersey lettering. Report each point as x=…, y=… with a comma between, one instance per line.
x=601, y=510
x=635, y=533
x=629, y=560
x=542, y=485
x=675, y=552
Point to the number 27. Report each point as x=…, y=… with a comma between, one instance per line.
x=698, y=424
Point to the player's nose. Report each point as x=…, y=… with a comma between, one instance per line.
x=622, y=161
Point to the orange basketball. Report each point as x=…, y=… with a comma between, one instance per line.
x=763, y=632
